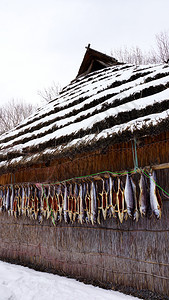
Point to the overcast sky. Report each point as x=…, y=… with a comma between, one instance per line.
x=43, y=41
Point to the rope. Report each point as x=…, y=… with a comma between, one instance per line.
x=92, y=175
x=136, y=159
x=134, y=152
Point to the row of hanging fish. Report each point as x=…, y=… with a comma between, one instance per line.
x=87, y=201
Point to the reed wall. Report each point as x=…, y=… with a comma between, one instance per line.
x=111, y=254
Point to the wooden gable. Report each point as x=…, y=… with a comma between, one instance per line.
x=94, y=60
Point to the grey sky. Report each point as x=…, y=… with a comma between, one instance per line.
x=42, y=41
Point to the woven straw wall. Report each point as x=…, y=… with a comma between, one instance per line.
x=129, y=254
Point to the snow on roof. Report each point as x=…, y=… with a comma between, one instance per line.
x=103, y=104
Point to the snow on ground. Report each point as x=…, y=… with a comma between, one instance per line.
x=17, y=282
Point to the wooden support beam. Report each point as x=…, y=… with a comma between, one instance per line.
x=161, y=166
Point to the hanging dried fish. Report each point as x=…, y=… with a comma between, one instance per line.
x=109, y=212
x=15, y=203
x=47, y=191
x=55, y=205
x=33, y=201
x=81, y=216
x=75, y=196
x=22, y=204
x=60, y=201
x=4, y=199
x=107, y=188
x=112, y=197
x=155, y=199
x=78, y=202
x=129, y=197
x=104, y=197
x=8, y=199
x=143, y=199
x=84, y=200
x=44, y=201
x=24, y=200
x=136, y=202
x=29, y=200
x=88, y=203
x=70, y=203
x=52, y=193
x=120, y=202
x=19, y=201
x=12, y=200
x=36, y=203
x=93, y=203
x=1, y=200
x=99, y=205
x=65, y=206
x=50, y=203
x=30, y=209
x=39, y=192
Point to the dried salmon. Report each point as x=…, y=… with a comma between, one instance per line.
x=120, y=202
x=155, y=199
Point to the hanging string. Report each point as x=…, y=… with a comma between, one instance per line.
x=134, y=152
x=136, y=159
x=95, y=174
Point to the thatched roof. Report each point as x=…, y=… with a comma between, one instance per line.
x=110, y=105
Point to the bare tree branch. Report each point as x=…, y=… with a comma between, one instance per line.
x=51, y=92
x=162, y=40
x=12, y=113
x=135, y=56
